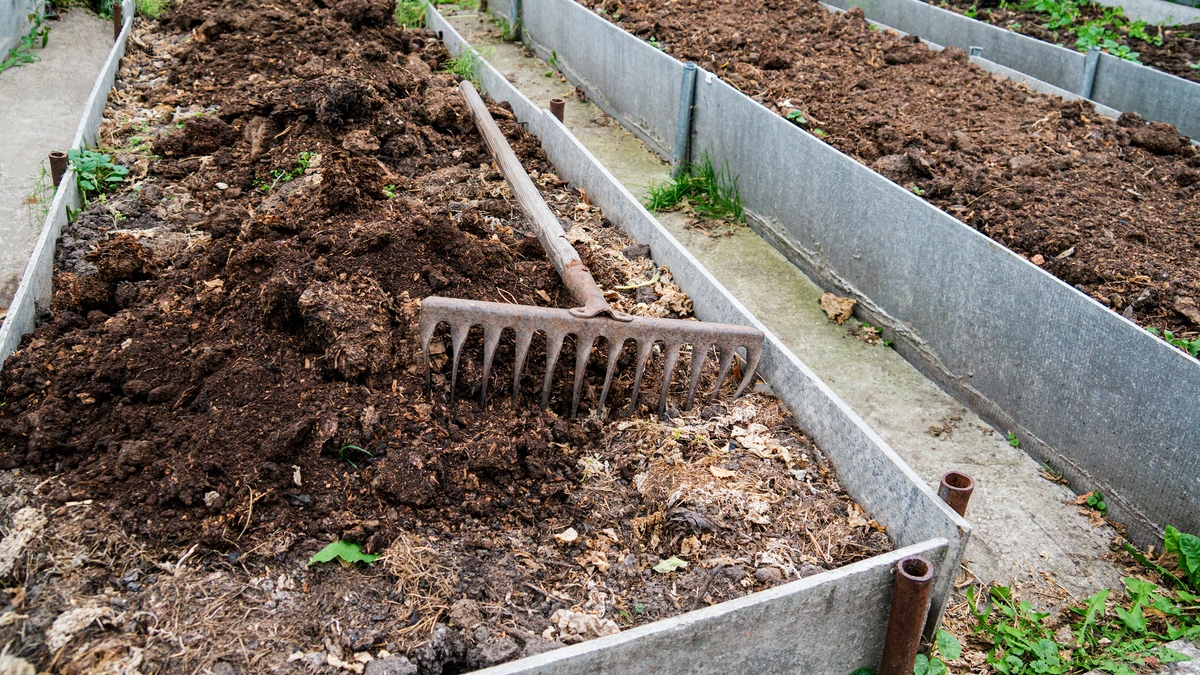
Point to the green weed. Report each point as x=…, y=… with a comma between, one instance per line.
x=1190, y=346
x=1095, y=499
x=945, y=648
x=152, y=9
x=95, y=172
x=1187, y=548
x=797, y=117
x=390, y=191
x=465, y=66
x=303, y=161
x=1120, y=635
x=506, y=29
x=410, y=13
x=711, y=193
x=657, y=45
x=37, y=202
x=36, y=38
x=1013, y=440
x=345, y=449
x=917, y=190
x=348, y=551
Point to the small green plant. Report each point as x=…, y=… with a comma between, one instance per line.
x=820, y=133
x=390, y=192
x=1190, y=346
x=303, y=162
x=553, y=60
x=971, y=12
x=346, y=449
x=797, y=117
x=152, y=9
x=410, y=13
x=37, y=38
x=917, y=190
x=1095, y=500
x=657, y=45
x=95, y=172
x=345, y=550
x=1113, y=635
x=37, y=202
x=465, y=66
x=711, y=193
x=945, y=648
x=1187, y=548
x=1013, y=440
x=639, y=608
x=506, y=30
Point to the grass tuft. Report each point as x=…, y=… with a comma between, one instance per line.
x=410, y=13
x=152, y=9
x=711, y=193
x=466, y=66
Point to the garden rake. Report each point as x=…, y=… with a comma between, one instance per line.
x=592, y=319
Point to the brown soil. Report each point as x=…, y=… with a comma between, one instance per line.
x=1108, y=206
x=229, y=380
x=1179, y=51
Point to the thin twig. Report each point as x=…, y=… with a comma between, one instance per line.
x=249, y=514
x=704, y=589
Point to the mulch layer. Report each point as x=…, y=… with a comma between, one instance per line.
x=229, y=379
x=1178, y=54
x=1108, y=206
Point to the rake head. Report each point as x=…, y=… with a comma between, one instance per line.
x=556, y=324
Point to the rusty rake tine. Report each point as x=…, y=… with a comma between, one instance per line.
x=427, y=329
x=752, y=355
x=727, y=354
x=553, y=347
x=614, y=353
x=458, y=336
x=668, y=370
x=583, y=349
x=699, y=358
x=643, y=355
x=491, y=340
x=524, y=337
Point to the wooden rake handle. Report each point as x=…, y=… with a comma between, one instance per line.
x=575, y=275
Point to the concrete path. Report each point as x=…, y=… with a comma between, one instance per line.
x=1025, y=525
x=40, y=107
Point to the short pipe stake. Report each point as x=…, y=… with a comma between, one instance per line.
x=118, y=19
x=58, y=166
x=955, y=490
x=1087, y=79
x=910, y=604
x=683, y=126
x=557, y=107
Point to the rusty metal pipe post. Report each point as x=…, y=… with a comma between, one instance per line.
x=910, y=604
x=58, y=166
x=118, y=19
x=955, y=490
x=557, y=108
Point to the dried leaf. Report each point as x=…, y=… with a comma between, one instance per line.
x=837, y=308
x=721, y=473
x=567, y=536
x=670, y=565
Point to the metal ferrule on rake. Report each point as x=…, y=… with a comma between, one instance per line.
x=591, y=320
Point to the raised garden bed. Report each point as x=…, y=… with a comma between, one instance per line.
x=227, y=381
x=1172, y=49
x=1104, y=205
